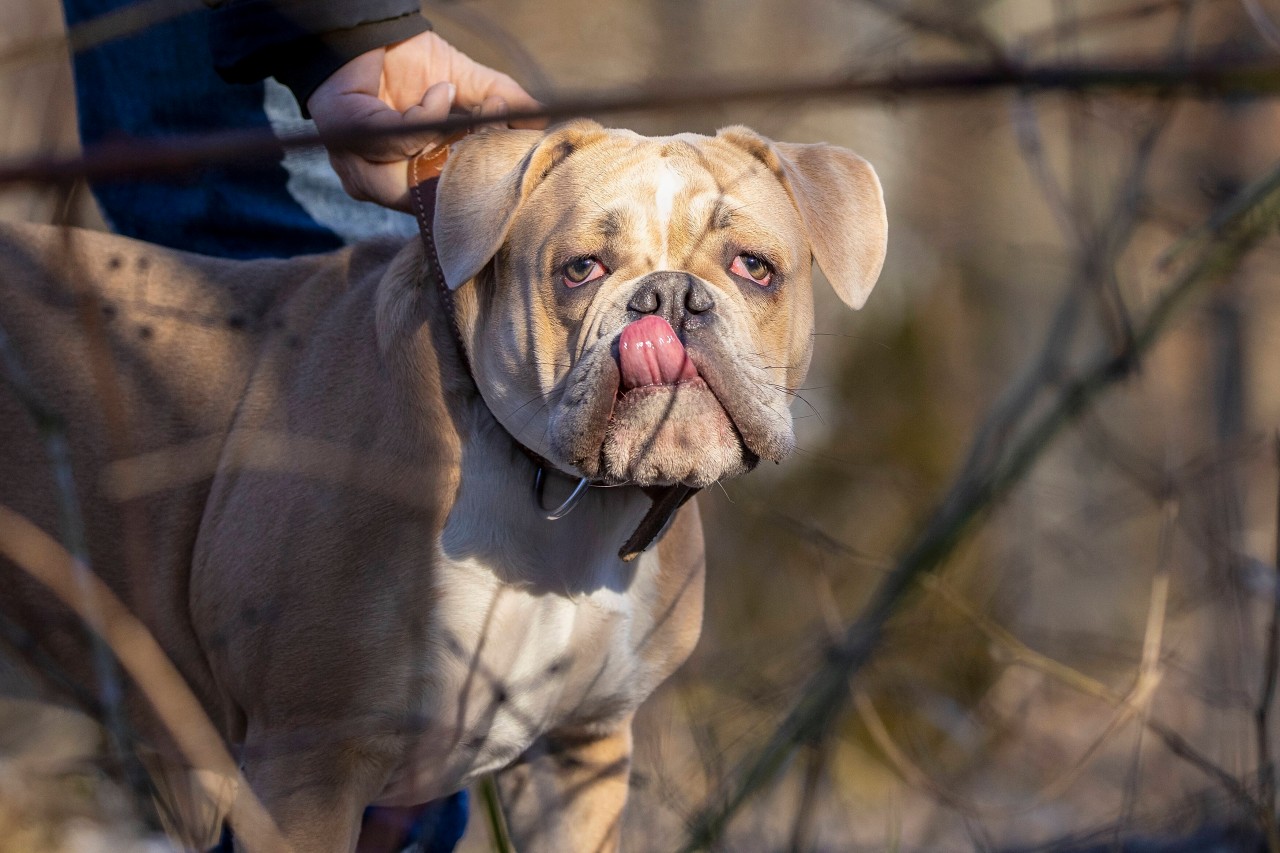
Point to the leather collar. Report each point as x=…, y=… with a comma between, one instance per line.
x=424, y=173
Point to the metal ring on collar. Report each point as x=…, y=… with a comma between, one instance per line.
x=539, y=478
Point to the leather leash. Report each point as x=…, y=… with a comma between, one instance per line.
x=424, y=174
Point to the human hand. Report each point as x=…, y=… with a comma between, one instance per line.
x=411, y=82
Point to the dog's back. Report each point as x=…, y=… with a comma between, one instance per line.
x=138, y=356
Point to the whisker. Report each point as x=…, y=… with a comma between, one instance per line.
x=536, y=412
x=517, y=409
x=812, y=408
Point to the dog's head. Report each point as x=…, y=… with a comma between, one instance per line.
x=639, y=310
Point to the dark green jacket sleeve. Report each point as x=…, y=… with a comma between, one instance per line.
x=302, y=42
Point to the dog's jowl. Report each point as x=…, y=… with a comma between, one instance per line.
x=326, y=485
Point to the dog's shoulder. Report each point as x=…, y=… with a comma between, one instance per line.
x=159, y=287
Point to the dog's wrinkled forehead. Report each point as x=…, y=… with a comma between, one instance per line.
x=667, y=200
x=830, y=193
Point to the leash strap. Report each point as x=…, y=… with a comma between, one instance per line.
x=424, y=175
x=667, y=500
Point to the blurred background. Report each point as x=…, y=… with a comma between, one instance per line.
x=1086, y=664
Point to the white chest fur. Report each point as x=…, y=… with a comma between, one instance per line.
x=536, y=625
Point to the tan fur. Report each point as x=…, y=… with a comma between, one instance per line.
x=288, y=473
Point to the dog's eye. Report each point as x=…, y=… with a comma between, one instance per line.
x=582, y=270
x=753, y=267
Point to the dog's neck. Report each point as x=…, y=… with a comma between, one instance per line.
x=424, y=173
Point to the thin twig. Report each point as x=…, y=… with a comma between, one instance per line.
x=1026, y=126
x=1139, y=13
x=1262, y=716
x=1179, y=746
x=175, y=706
x=1118, y=228
x=955, y=29
x=1151, y=646
x=802, y=828
x=1135, y=703
x=52, y=430
x=498, y=834
x=1263, y=24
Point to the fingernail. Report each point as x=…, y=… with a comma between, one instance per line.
x=453, y=93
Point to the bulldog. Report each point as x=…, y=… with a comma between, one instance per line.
x=313, y=480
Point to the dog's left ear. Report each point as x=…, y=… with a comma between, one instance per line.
x=485, y=180
x=840, y=202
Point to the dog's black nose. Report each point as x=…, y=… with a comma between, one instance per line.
x=671, y=295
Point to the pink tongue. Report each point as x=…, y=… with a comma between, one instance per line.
x=651, y=354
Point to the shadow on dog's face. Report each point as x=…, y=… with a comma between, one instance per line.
x=642, y=309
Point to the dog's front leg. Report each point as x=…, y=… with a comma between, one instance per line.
x=315, y=794
x=567, y=791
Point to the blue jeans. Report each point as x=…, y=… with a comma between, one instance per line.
x=434, y=828
x=161, y=82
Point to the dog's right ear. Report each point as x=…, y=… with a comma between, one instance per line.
x=485, y=180
x=840, y=202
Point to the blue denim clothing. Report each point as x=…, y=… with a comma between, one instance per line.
x=161, y=82
x=437, y=828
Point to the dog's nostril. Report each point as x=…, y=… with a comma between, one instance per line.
x=646, y=300
x=698, y=300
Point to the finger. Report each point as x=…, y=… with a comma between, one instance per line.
x=478, y=82
x=438, y=99
x=373, y=126
x=496, y=106
x=386, y=184
x=434, y=106
x=492, y=107
x=517, y=100
x=376, y=171
x=378, y=135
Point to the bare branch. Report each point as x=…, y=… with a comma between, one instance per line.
x=1138, y=13
x=132, y=158
x=963, y=32
x=1262, y=22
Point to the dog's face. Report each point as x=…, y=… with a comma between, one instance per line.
x=640, y=310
